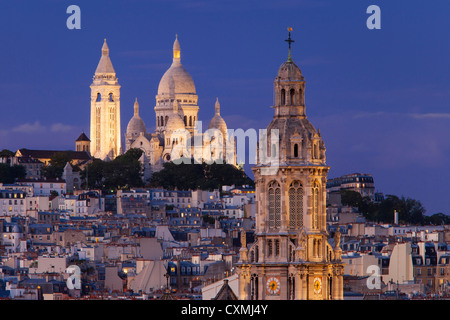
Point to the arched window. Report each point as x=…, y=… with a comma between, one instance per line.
x=97, y=128
x=296, y=150
x=274, y=205
x=157, y=120
x=111, y=97
x=300, y=96
x=315, y=203
x=283, y=97
x=185, y=120
x=190, y=121
x=292, y=97
x=295, y=205
x=167, y=119
x=269, y=248
x=99, y=97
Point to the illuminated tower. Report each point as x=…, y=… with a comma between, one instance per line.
x=291, y=258
x=105, y=109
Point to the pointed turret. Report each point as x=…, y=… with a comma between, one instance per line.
x=105, y=64
x=217, y=122
x=217, y=107
x=136, y=108
x=176, y=50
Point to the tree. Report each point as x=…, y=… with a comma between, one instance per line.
x=410, y=211
x=186, y=176
x=58, y=161
x=437, y=219
x=351, y=198
x=7, y=153
x=9, y=174
x=123, y=172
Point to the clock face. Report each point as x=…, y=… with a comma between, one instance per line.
x=273, y=285
x=317, y=285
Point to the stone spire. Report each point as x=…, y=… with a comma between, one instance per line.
x=217, y=107
x=176, y=50
x=136, y=108
x=105, y=64
x=105, y=49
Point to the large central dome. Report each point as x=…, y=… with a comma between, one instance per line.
x=176, y=80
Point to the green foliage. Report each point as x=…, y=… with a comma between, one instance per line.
x=9, y=174
x=7, y=153
x=351, y=198
x=185, y=176
x=410, y=211
x=55, y=168
x=123, y=172
x=437, y=219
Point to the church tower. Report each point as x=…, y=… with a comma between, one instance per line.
x=291, y=258
x=105, y=110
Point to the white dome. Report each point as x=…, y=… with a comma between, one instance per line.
x=176, y=80
x=136, y=125
x=175, y=122
x=217, y=122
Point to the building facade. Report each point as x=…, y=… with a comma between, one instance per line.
x=359, y=182
x=291, y=258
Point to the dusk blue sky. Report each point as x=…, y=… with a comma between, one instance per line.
x=379, y=97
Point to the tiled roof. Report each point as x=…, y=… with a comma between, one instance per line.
x=83, y=137
x=47, y=154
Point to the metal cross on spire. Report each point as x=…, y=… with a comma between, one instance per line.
x=289, y=40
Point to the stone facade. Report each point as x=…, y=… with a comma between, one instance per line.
x=291, y=257
x=105, y=110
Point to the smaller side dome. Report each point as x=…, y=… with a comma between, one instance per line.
x=217, y=122
x=175, y=121
x=136, y=125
